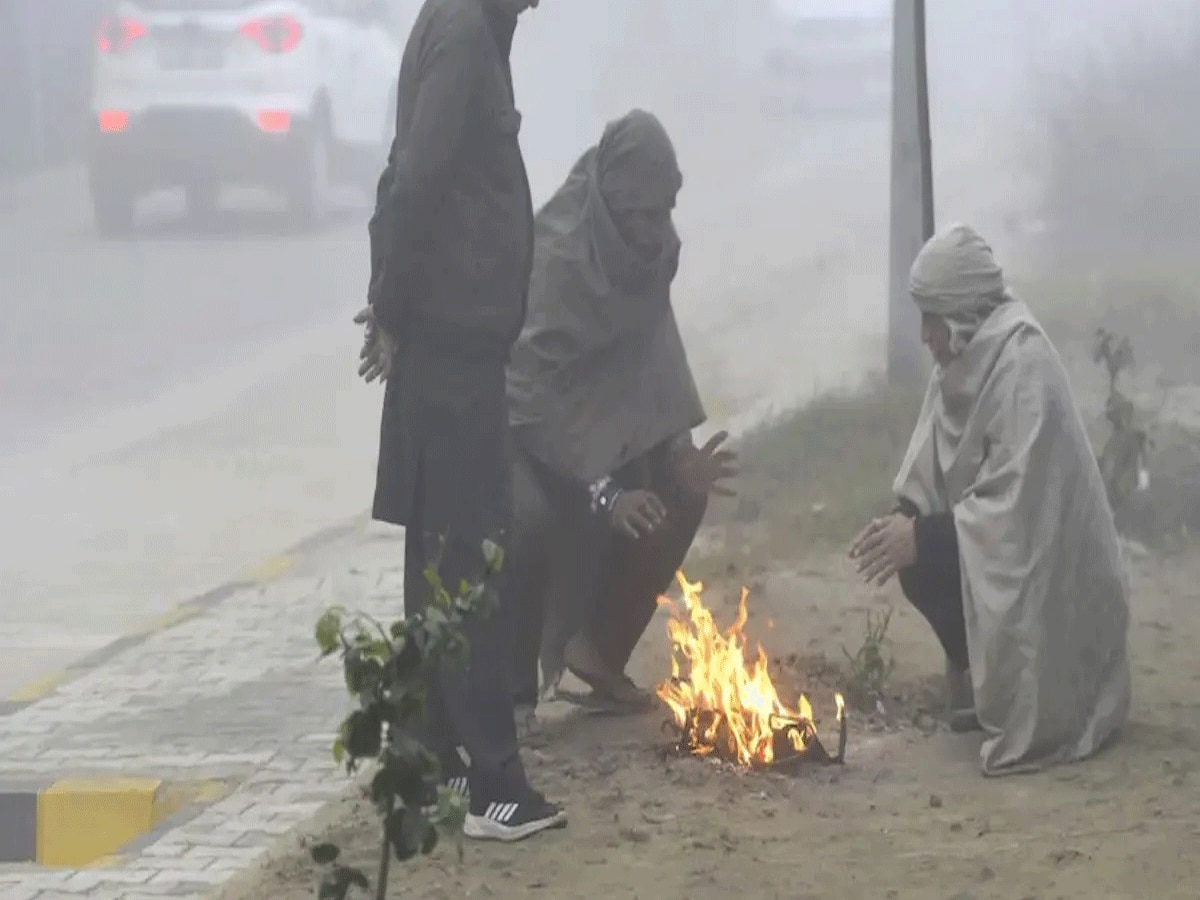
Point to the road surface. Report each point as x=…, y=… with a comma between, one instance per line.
x=175, y=409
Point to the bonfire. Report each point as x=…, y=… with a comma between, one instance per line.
x=726, y=705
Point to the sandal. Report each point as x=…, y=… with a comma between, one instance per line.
x=624, y=692
x=611, y=691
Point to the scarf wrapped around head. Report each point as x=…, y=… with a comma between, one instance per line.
x=599, y=375
x=636, y=166
x=956, y=277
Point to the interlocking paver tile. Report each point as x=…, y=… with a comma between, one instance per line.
x=235, y=693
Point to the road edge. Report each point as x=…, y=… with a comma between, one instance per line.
x=267, y=571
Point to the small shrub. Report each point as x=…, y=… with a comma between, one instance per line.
x=871, y=665
x=387, y=670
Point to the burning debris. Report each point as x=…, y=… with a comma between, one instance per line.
x=724, y=706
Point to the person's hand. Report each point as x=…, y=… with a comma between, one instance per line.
x=638, y=513
x=378, y=349
x=702, y=471
x=885, y=547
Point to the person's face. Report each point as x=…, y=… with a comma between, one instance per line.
x=935, y=334
x=643, y=229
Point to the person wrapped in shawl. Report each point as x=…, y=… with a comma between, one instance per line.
x=609, y=488
x=1004, y=539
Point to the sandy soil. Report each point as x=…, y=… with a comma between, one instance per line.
x=909, y=815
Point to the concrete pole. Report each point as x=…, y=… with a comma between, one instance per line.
x=912, y=221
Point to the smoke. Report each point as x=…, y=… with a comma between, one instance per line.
x=1118, y=148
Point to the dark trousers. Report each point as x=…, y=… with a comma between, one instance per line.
x=935, y=589
x=461, y=495
x=639, y=573
x=572, y=573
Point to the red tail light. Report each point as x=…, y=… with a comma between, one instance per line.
x=113, y=121
x=117, y=35
x=274, y=121
x=278, y=34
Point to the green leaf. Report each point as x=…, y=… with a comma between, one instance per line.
x=324, y=854
x=431, y=841
x=405, y=773
x=382, y=788
x=337, y=883
x=339, y=750
x=363, y=674
x=493, y=555
x=451, y=811
x=362, y=733
x=329, y=632
x=407, y=832
x=434, y=579
x=404, y=667
x=332, y=887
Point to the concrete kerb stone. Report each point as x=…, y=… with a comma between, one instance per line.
x=82, y=822
x=233, y=691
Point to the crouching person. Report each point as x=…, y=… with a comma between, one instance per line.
x=1004, y=538
x=609, y=488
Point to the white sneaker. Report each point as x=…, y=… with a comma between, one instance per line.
x=513, y=821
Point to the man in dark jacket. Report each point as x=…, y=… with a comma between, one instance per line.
x=451, y=248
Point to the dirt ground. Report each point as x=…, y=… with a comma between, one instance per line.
x=908, y=815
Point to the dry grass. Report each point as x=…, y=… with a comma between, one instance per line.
x=811, y=478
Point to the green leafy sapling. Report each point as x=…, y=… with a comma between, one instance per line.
x=387, y=670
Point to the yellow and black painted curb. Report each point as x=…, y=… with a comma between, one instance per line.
x=82, y=822
x=271, y=569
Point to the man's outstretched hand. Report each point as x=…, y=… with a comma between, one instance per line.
x=705, y=470
x=378, y=350
x=885, y=547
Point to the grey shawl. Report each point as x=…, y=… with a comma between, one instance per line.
x=599, y=375
x=1000, y=443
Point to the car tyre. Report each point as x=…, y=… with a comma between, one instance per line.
x=114, y=206
x=308, y=197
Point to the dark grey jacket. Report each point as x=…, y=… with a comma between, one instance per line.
x=452, y=233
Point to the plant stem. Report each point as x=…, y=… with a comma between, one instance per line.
x=385, y=854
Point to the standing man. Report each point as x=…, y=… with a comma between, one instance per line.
x=451, y=255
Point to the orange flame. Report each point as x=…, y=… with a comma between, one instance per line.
x=727, y=703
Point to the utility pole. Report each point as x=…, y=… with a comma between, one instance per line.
x=912, y=220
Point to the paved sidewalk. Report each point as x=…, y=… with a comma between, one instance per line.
x=233, y=693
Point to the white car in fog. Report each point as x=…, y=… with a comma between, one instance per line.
x=292, y=95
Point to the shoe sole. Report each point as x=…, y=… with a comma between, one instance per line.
x=478, y=828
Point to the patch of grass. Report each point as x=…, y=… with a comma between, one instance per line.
x=871, y=665
x=811, y=478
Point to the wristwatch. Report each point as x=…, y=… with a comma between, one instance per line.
x=604, y=493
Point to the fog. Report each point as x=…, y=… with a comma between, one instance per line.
x=178, y=405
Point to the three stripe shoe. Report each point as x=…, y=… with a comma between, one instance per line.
x=510, y=821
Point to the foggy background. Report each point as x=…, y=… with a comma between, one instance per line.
x=176, y=407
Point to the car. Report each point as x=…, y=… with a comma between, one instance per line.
x=297, y=96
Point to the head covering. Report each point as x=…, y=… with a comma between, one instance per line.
x=636, y=164
x=956, y=277
x=599, y=375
